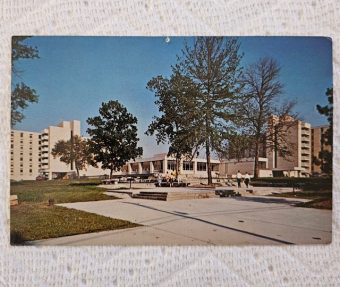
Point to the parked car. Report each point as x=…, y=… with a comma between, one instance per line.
x=41, y=177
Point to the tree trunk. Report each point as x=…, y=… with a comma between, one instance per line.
x=207, y=150
x=111, y=171
x=256, y=164
x=177, y=165
x=77, y=169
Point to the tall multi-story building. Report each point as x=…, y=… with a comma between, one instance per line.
x=25, y=155
x=31, y=151
x=49, y=137
x=318, y=145
x=298, y=142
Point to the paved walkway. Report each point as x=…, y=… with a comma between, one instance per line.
x=216, y=221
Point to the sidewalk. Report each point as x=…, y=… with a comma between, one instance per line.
x=214, y=221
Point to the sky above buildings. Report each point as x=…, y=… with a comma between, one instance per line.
x=74, y=75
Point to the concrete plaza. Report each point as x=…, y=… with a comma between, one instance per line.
x=215, y=221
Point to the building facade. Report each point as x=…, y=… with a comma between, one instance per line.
x=51, y=166
x=298, y=142
x=25, y=155
x=163, y=164
x=31, y=156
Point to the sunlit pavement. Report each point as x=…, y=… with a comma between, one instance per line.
x=215, y=221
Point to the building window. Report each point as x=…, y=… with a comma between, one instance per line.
x=30, y=159
x=171, y=165
x=21, y=142
x=21, y=171
x=30, y=154
x=12, y=145
x=188, y=165
x=30, y=136
x=21, y=134
x=11, y=153
x=21, y=159
x=30, y=170
x=201, y=166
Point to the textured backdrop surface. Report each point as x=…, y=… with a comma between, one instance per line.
x=165, y=266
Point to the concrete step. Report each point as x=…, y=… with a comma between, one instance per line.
x=191, y=195
x=150, y=196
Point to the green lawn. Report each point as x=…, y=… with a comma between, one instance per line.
x=34, y=219
x=318, y=199
x=62, y=191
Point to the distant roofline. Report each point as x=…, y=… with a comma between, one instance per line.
x=321, y=126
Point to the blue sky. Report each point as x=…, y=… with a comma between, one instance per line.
x=74, y=75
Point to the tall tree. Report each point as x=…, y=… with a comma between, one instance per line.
x=113, y=136
x=326, y=156
x=267, y=122
x=74, y=151
x=22, y=94
x=175, y=98
x=213, y=64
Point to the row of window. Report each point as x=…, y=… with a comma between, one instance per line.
x=187, y=165
x=21, y=171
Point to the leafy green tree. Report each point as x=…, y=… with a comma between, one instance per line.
x=22, y=94
x=266, y=122
x=325, y=159
x=74, y=151
x=213, y=65
x=175, y=98
x=113, y=136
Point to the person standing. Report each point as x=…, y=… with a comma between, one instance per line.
x=239, y=178
x=159, y=179
x=247, y=179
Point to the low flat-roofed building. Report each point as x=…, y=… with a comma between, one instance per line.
x=230, y=167
x=163, y=164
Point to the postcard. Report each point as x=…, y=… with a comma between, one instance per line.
x=171, y=141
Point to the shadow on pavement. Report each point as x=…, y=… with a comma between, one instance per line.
x=209, y=222
x=278, y=200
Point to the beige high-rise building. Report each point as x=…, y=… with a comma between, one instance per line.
x=298, y=142
x=49, y=137
x=25, y=154
x=31, y=153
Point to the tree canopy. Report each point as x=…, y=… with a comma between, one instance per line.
x=176, y=124
x=325, y=159
x=74, y=151
x=22, y=94
x=113, y=136
x=213, y=65
x=265, y=120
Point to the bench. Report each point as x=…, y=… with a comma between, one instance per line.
x=226, y=193
x=110, y=181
